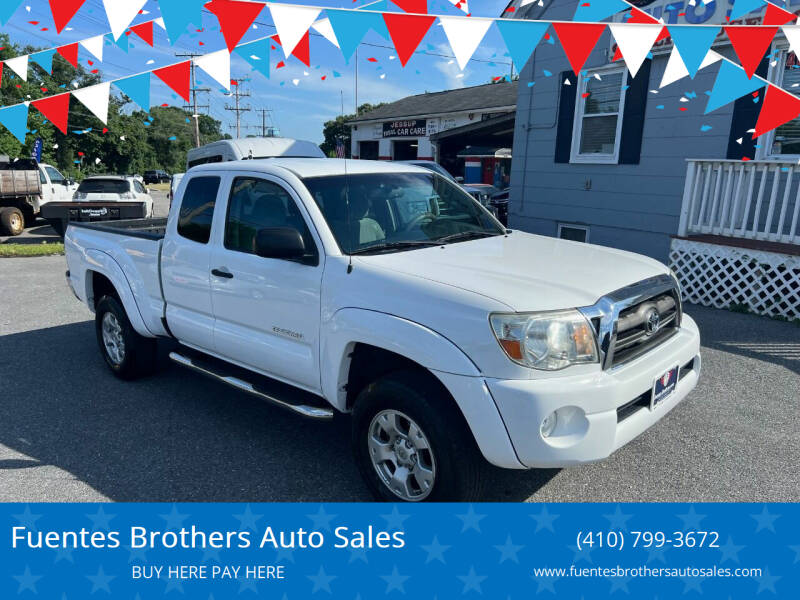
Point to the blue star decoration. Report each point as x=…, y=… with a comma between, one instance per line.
x=691, y=520
x=730, y=551
x=472, y=581
x=395, y=581
x=796, y=550
x=284, y=554
x=27, y=581
x=545, y=583
x=508, y=551
x=245, y=584
x=100, y=520
x=174, y=519
x=544, y=520
x=471, y=520
x=358, y=554
x=64, y=554
x=692, y=584
x=210, y=554
x=321, y=519
x=173, y=584
x=435, y=551
x=585, y=553
x=248, y=520
x=619, y=583
x=321, y=581
x=394, y=520
x=766, y=582
x=655, y=553
x=27, y=519
x=618, y=520
x=100, y=581
x=765, y=520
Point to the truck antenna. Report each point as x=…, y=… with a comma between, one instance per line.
x=349, y=222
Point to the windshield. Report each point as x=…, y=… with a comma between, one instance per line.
x=104, y=186
x=436, y=168
x=390, y=210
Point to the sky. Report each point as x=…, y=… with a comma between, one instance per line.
x=300, y=100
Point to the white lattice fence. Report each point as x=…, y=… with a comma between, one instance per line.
x=767, y=283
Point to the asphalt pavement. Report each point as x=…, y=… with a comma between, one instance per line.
x=70, y=431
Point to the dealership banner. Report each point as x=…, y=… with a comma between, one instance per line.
x=375, y=550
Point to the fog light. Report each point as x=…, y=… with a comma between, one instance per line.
x=549, y=424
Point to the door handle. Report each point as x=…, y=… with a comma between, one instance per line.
x=221, y=273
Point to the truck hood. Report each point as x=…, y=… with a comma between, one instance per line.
x=525, y=272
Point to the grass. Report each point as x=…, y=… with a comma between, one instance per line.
x=161, y=187
x=25, y=250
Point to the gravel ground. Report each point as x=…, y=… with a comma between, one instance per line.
x=69, y=431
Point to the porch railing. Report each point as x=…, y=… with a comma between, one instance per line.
x=758, y=200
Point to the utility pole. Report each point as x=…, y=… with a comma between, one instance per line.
x=237, y=108
x=195, y=90
x=264, y=112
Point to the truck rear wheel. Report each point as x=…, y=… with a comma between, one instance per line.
x=411, y=445
x=128, y=354
x=11, y=221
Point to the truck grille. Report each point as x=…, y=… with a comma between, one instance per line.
x=635, y=319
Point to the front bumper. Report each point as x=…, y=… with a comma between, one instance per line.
x=599, y=412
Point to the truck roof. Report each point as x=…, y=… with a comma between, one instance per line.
x=314, y=167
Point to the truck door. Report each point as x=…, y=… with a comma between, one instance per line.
x=185, y=260
x=267, y=311
x=57, y=190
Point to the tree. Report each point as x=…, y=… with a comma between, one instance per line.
x=338, y=128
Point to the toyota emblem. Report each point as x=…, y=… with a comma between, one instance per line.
x=651, y=321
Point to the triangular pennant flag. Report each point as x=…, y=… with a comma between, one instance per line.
x=95, y=98
x=121, y=43
x=521, y=38
x=635, y=42
x=350, y=27
x=44, y=59
x=464, y=36
x=15, y=119
x=693, y=43
x=732, y=83
x=597, y=10
x=120, y=13
x=69, y=53
x=323, y=27
x=19, y=65
x=464, y=5
x=94, y=46
x=1, y=71
x=55, y=109
x=137, y=88
x=8, y=8
x=775, y=15
x=639, y=16
x=413, y=6
x=742, y=7
x=292, y=23
x=407, y=32
x=676, y=70
x=177, y=14
x=160, y=22
x=178, y=77
x=750, y=44
x=63, y=11
x=144, y=31
x=235, y=18
x=257, y=54
x=578, y=40
x=218, y=66
x=792, y=33
x=779, y=107
x=302, y=51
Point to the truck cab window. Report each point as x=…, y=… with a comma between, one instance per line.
x=56, y=178
x=257, y=204
x=197, y=209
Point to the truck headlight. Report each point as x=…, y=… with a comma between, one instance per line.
x=547, y=340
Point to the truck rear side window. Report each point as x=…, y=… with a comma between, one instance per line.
x=197, y=209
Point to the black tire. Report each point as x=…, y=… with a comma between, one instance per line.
x=12, y=222
x=30, y=217
x=459, y=464
x=138, y=354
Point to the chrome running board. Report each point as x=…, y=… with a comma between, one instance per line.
x=212, y=367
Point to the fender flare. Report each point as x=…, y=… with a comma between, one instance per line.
x=105, y=265
x=351, y=326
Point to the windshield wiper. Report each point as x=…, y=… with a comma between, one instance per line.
x=466, y=235
x=396, y=246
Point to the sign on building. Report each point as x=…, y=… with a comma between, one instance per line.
x=407, y=128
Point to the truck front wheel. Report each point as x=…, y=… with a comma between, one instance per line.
x=128, y=354
x=411, y=444
x=11, y=221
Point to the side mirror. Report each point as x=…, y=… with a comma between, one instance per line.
x=280, y=242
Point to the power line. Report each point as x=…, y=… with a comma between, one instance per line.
x=195, y=90
x=266, y=130
x=237, y=108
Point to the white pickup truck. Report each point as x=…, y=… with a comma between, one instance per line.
x=385, y=291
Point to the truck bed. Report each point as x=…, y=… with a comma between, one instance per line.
x=149, y=229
